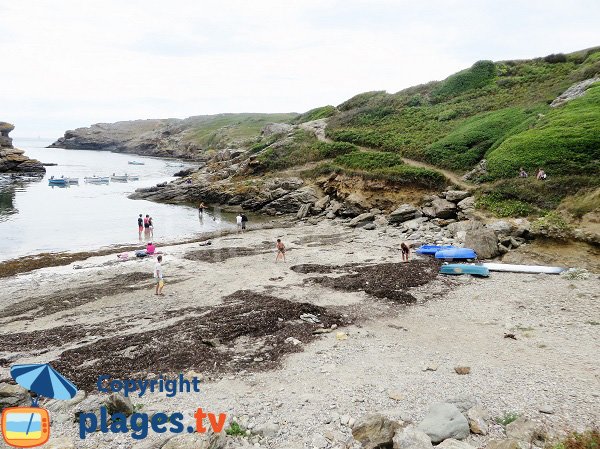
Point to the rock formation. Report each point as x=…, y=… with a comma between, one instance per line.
x=13, y=160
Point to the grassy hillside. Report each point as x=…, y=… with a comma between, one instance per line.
x=218, y=131
x=497, y=110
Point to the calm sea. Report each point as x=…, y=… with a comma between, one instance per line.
x=37, y=218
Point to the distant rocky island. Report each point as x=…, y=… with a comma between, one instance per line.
x=13, y=160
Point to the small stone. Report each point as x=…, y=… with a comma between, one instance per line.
x=395, y=395
x=319, y=441
x=477, y=418
x=547, y=409
x=462, y=370
x=451, y=443
x=374, y=431
x=341, y=336
x=117, y=403
x=431, y=367
x=411, y=438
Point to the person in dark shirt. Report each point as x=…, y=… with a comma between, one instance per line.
x=140, y=225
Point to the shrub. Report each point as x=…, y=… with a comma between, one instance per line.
x=589, y=439
x=467, y=144
x=235, y=429
x=583, y=203
x=369, y=160
x=361, y=100
x=507, y=418
x=555, y=58
x=479, y=75
x=329, y=150
x=552, y=225
x=315, y=114
x=565, y=141
x=447, y=114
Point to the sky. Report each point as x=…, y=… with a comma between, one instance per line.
x=71, y=63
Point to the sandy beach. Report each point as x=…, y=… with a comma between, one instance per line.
x=391, y=335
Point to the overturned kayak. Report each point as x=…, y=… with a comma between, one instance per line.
x=523, y=268
x=456, y=253
x=430, y=250
x=460, y=268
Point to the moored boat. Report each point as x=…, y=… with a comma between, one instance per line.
x=135, y=163
x=523, y=268
x=58, y=182
x=119, y=178
x=461, y=268
x=133, y=178
x=72, y=180
x=456, y=253
x=97, y=179
x=430, y=250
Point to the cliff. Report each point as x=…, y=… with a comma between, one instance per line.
x=13, y=160
x=182, y=138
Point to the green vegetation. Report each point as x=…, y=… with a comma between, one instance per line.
x=552, y=225
x=298, y=149
x=499, y=111
x=466, y=145
x=524, y=196
x=380, y=166
x=329, y=150
x=235, y=430
x=507, y=418
x=369, y=161
x=589, y=439
x=583, y=203
x=479, y=75
x=565, y=141
x=222, y=130
x=315, y=114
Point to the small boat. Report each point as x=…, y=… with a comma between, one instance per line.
x=58, y=182
x=523, y=268
x=133, y=178
x=136, y=163
x=119, y=178
x=97, y=179
x=461, y=268
x=174, y=165
x=72, y=180
x=456, y=253
x=430, y=250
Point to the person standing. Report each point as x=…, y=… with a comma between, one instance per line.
x=238, y=221
x=158, y=276
x=147, y=226
x=405, y=251
x=244, y=221
x=140, y=225
x=280, y=250
x=151, y=226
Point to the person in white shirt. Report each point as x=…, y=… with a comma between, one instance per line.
x=238, y=219
x=158, y=276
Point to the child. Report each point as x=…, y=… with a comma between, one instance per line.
x=158, y=276
x=405, y=251
x=150, y=248
x=280, y=250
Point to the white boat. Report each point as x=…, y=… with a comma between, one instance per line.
x=119, y=178
x=523, y=268
x=174, y=165
x=133, y=178
x=72, y=180
x=97, y=179
x=135, y=163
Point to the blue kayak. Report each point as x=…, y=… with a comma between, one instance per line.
x=430, y=250
x=456, y=253
x=458, y=268
x=57, y=182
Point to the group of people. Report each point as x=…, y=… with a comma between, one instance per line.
x=541, y=174
x=145, y=225
x=241, y=221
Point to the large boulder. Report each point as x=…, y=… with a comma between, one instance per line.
x=411, y=438
x=451, y=443
x=500, y=227
x=13, y=396
x=117, y=403
x=403, y=213
x=526, y=430
x=440, y=208
x=361, y=220
x=477, y=417
x=375, y=431
x=467, y=204
x=444, y=421
x=291, y=202
x=483, y=241
x=456, y=195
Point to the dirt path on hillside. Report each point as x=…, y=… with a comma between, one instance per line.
x=318, y=128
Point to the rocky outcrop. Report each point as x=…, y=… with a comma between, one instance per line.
x=575, y=91
x=13, y=160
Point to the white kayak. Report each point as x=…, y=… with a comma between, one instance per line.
x=523, y=268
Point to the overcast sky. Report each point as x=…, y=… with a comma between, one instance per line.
x=70, y=63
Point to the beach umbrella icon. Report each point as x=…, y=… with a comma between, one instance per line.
x=43, y=380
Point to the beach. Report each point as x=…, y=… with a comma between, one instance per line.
x=387, y=338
